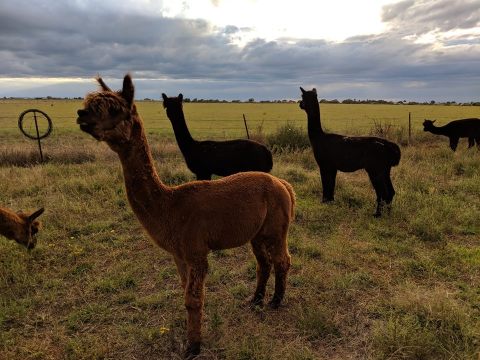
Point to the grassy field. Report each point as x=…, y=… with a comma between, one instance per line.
x=225, y=119
x=405, y=286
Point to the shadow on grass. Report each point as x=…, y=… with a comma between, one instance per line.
x=32, y=158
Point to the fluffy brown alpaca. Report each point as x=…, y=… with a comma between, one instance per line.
x=192, y=219
x=19, y=226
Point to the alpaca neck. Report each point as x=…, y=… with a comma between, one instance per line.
x=182, y=134
x=437, y=130
x=7, y=223
x=314, y=123
x=145, y=190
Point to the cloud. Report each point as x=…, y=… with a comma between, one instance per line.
x=83, y=38
x=422, y=16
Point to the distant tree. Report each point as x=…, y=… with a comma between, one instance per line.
x=251, y=100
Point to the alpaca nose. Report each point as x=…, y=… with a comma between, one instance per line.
x=82, y=112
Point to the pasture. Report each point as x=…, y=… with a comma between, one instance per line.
x=405, y=286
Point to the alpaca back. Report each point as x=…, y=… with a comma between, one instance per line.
x=351, y=153
x=225, y=158
x=463, y=128
x=240, y=205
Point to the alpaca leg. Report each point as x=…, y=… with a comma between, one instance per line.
x=378, y=182
x=477, y=140
x=194, y=299
x=281, y=262
x=471, y=142
x=390, y=189
x=454, y=143
x=328, y=176
x=264, y=267
x=182, y=270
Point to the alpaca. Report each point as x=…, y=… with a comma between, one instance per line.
x=223, y=158
x=191, y=219
x=20, y=227
x=335, y=152
x=454, y=130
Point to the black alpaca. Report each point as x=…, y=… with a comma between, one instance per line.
x=464, y=128
x=205, y=158
x=335, y=152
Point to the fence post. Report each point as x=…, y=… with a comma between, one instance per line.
x=409, y=127
x=38, y=136
x=246, y=127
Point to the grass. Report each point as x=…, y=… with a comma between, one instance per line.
x=401, y=287
x=222, y=120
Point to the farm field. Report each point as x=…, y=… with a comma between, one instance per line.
x=225, y=119
x=405, y=286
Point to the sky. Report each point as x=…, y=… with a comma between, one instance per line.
x=414, y=50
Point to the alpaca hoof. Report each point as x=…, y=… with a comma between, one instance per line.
x=377, y=215
x=326, y=201
x=275, y=302
x=253, y=303
x=274, y=305
x=193, y=350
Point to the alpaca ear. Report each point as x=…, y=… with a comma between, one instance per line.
x=128, y=89
x=303, y=91
x=36, y=214
x=314, y=90
x=164, y=96
x=180, y=96
x=102, y=83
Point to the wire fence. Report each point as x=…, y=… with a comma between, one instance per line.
x=225, y=120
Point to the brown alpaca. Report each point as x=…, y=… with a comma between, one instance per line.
x=19, y=226
x=192, y=219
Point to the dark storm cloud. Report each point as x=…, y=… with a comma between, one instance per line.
x=72, y=40
x=75, y=42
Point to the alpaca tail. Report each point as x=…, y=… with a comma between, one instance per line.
x=269, y=160
x=395, y=153
x=291, y=192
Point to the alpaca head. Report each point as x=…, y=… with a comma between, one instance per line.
x=307, y=98
x=428, y=125
x=172, y=105
x=110, y=115
x=26, y=228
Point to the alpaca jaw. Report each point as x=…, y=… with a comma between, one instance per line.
x=26, y=235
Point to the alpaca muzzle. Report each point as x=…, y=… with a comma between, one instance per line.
x=85, y=125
